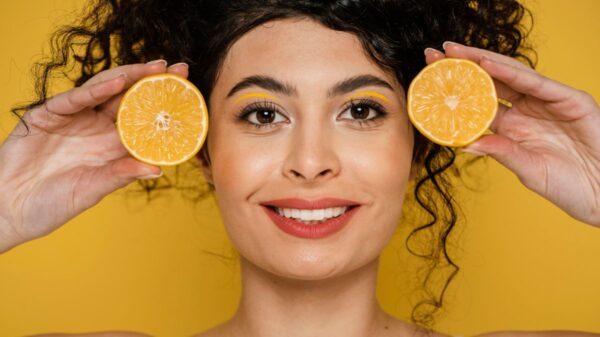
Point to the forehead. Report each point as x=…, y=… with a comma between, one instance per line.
x=299, y=51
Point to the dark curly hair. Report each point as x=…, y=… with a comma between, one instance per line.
x=393, y=32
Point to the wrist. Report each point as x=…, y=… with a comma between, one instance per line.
x=8, y=236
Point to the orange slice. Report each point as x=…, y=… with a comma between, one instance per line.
x=162, y=120
x=452, y=102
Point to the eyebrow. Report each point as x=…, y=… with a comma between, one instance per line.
x=345, y=86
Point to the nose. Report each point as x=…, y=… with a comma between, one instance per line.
x=312, y=156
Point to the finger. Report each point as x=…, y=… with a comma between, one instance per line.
x=503, y=91
x=134, y=72
x=432, y=55
x=506, y=151
x=111, y=107
x=499, y=118
x=79, y=98
x=128, y=167
x=114, y=175
x=474, y=54
x=180, y=68
x=529, y=83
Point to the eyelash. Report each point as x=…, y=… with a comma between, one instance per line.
x=270, y=106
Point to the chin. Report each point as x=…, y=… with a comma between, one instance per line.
x=310, y=264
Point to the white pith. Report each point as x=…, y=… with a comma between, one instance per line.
x=312, y=214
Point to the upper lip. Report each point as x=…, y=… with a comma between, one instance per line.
x=310, y=204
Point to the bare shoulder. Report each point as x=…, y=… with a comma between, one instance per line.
x=216, y=331
x=95, y=334
x=553, y=333
x=394, y=327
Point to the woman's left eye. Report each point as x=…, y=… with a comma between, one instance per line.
x=364, y=111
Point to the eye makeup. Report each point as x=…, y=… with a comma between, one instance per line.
x=371, y=93
x=254, y=94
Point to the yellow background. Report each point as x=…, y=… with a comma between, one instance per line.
x=525, y=264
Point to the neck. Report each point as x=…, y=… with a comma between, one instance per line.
x=274, y=306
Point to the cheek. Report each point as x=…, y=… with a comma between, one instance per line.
x=382, y=161
x=383, y=164
x=241, y=165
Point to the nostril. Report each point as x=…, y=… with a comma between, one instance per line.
x=325, y=173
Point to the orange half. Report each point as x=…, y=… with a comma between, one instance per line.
x=452, y=102
x=163, y=120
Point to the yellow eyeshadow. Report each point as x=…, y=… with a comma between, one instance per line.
x=371, y=93
x=254, y=94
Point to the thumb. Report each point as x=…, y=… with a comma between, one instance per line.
x=121, y=172
x=506, y=151
x=103, y=180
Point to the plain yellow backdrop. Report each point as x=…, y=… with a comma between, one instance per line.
x=525, y=265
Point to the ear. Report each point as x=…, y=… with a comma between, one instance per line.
x=206, y=165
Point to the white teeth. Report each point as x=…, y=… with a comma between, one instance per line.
x=293, y=213
x=313, y=214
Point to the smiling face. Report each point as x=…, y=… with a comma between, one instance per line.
x=305, y=140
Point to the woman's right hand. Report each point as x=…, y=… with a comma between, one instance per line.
x=72, y=156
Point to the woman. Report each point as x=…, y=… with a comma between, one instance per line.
x=286, y=136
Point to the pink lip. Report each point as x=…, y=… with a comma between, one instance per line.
x=310, y=204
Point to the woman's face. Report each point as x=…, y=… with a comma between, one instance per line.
x=310, y=145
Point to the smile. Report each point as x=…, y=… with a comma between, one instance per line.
x=310, y=219
x=312, y=216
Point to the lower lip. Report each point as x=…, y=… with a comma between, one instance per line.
x=302, y=230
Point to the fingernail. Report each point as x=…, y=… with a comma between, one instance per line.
x=484, y=58
x=473, y=152
x=123, y=75
x=158, y=61
x=151, y=176
x=181, y=64
x=447, y=44
x=431, y=50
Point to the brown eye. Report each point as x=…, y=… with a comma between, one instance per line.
x=262, y=114
x=359, y=111
x=363, y=112
x=265, y=116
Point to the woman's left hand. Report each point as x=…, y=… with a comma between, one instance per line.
x=550, y=138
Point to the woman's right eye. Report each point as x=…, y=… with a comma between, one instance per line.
x=262, y=115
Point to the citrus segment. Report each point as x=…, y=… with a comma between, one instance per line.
x=163, y=120
x=452, y=102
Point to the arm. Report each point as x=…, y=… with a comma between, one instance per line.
x=555, y=333
x=7, y=236
x=95, y=334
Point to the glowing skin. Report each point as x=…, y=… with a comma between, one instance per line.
x=314, y=148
